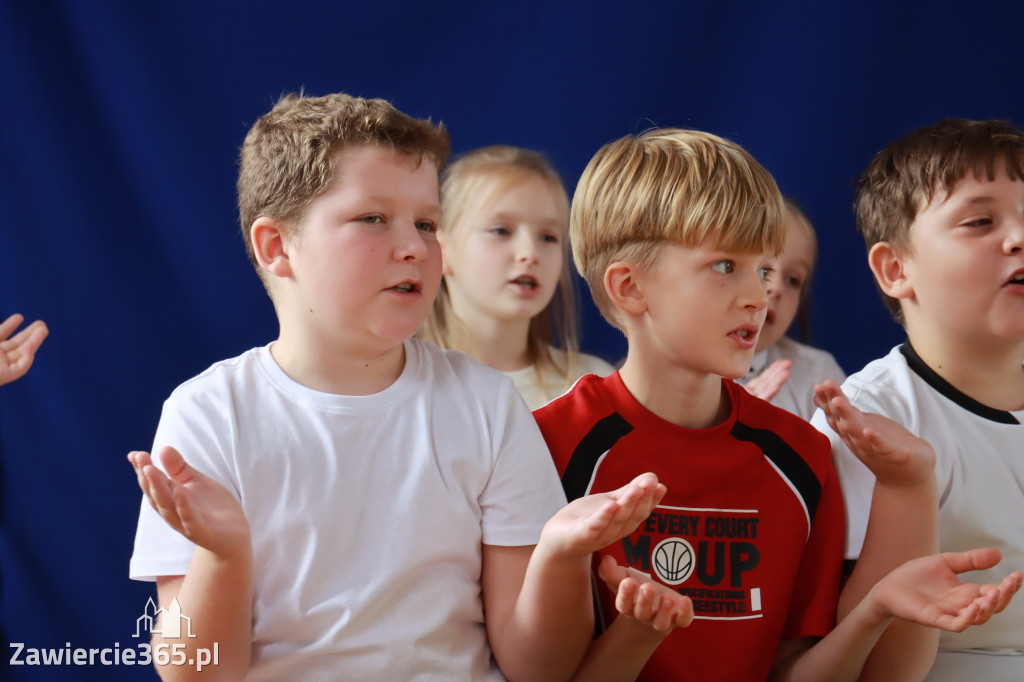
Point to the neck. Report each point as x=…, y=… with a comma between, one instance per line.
x=336, y=370
x=990, y=373
x=678, y=395
x=499, y=344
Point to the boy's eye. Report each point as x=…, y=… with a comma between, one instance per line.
x=766, y=273
x=371, y=219
x=500, y=230
x=426, y=226
x=979, y=222
x=550, y=238
x=723, y=266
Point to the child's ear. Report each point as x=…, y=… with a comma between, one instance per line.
x=624, y=288
x=270, y=244
x=887, y=264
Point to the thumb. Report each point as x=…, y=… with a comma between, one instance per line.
x=973, y=560
x=178, y=470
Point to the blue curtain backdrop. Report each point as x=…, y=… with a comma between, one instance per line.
x=119, y=131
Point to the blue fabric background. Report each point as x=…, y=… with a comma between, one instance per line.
x=120, y=124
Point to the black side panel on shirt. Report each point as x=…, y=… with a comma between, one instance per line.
x=786, y=459
x=598, y=441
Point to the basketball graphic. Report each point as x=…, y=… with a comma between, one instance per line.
x=673, y=560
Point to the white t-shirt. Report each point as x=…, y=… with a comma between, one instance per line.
x=540, y=388
x=367, y=513
x=980, y=471
x=810, y=366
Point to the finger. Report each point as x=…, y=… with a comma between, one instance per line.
x=611, y=573
x=9, y=325
x=159, y=491
x=191, y=523
x=646, y=602
x=664, y=615
x=24, y=336
x=684, y=612
x=625, y=596
x=1007, y=589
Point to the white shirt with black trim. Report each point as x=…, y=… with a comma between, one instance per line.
x=980, y=472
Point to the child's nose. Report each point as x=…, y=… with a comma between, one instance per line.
x=411, y=245
x=1014, y=242
x=526, y=250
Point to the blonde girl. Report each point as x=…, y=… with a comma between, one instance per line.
x=507, y=296
x=787, y=301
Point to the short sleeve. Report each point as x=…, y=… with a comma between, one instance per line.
x=523, y=491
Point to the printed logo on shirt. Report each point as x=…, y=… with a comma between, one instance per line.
x=705, y=554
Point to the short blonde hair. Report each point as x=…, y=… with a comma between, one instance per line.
x=906, y=175
x=666, y=186
x=471, y=183
x=288, y=157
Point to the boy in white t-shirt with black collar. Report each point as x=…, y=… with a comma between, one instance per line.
x=942, y=212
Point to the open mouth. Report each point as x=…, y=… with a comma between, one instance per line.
x=406, y=287
x=526, y=281
x=1018, y=278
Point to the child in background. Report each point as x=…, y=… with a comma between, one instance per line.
x=675, y=232
x=942, y=213
x=788, y=291
x=358, y=504
x=506, y=298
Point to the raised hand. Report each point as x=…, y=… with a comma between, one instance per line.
x=928, y=591
x=893, y=454
x=593, y=522
x=195, y=505
x=767, y=384
x=18, y=352
x=641, y=599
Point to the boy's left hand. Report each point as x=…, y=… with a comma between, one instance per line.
x=639, y=598
x=894, y=455
x=593, y=522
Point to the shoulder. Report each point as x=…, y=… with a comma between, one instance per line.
x=884, y=385
x=591, y=364
x=585, y=401
x=760, y=421
x=225, y=377
x=457, y=376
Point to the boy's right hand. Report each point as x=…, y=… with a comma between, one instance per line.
x=193, y=504
x=894, y=455
x=593, y=522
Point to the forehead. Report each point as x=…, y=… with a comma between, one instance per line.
x=372, y=166
x=971, y=190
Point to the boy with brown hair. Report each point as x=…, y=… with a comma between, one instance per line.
x=676, y=231
x=942, y=213
x=358, y=504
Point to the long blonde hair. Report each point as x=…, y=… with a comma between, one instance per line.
x=469, y=184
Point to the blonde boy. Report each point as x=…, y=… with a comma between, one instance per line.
x=359, y=505
x=942, y=213
x=676, y=231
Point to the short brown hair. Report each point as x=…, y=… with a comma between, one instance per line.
x=472, y=182
x=288, y=157
x=906, y=175
x=669, y=186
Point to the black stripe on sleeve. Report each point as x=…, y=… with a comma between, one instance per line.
x=786, y=459
x=592, y=446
